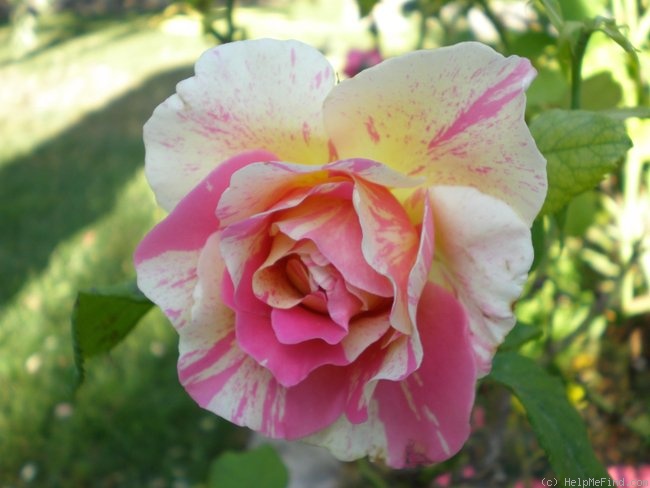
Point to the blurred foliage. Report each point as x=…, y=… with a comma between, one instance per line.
x=74, y=203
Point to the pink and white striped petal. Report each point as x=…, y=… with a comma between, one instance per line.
x=454, y=116
x=275, y=185
x=425, y=418
x=231, y=384
x=262, y=94
x=271, y=282
x=167, y=258
x=211, y=319
x=483, y=254
x=389, y=244
x=328, y=223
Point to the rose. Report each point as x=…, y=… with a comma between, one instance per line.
x=356, y=60
x=340, y=262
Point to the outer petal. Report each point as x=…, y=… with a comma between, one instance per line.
x=232, y=385
x=211, y=318
x=454, y=115
x=483, y=253
x=167, y=257
x=262, y=94
x=424, y=418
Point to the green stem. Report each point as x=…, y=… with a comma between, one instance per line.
x=370, y=474
x=577, y=56
x=230, y=7
x=422, y=28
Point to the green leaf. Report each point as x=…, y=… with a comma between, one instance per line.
x=558, y=426
x=600, y=92
x=102, y=318
x=611, y=30
x=530, y=44
x=581, y=213
x=548, y=88
x=538, y=236
x=580, y=148
x=520, y=335
x=628, y=113
x=250, y=469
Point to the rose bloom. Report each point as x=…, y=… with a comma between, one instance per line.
x=357, y=60
x=341, y=261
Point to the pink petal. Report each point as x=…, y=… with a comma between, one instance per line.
x=341, y=304
x=274, y=185
x=328, y=223
x=261, y=94
x=389, y=244
x=167, y=257
x=483, y=253
x=232, y=385
x=453, y=115
x=364, y=331
x=298, y=324
x=374, y=172
x=194, y=219
x=270, y=282
x=244, y=247
x=425, y=418
x=211, y=318
x=289, y=364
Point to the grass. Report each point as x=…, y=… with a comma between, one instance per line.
x=72, y=209
x=75, y=208
x=73, y=205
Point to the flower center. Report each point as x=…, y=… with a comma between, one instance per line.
x=298, y=275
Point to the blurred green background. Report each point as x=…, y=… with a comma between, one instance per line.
x=77, y=81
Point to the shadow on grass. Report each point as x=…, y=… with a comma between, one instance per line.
x=130, y=424
x=69, y=182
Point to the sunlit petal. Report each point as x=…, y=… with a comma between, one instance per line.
x=483, y=254
x=454, y=116
x=263, y=94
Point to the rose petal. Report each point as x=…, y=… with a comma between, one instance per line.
x=211, y=318
x=341, y=304
x=297, y=325
x=483, y=253
x=262, y=94
x=265, y=186
x=167, y=257
x=425, y=418
x=329, y=223
x=289, y=364
x=453, y=115
x=389, y=244
x=364, y=331
x=270, y=282
x=232, y=385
